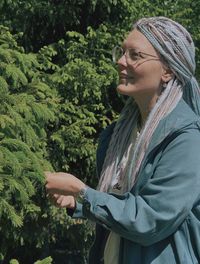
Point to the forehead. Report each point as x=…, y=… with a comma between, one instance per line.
x=137, y=40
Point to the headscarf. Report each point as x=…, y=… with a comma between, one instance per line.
x=175, y=46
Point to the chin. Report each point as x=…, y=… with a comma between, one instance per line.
x=125, y=89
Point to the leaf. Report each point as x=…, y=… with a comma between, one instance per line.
x=47, y=260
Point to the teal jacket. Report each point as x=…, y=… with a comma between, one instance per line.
x=159, y=219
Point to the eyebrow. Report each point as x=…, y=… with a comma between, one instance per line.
x=132, y=48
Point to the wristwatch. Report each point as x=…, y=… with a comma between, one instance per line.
x=81, y=194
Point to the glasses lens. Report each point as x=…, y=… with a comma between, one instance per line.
x=117, y=53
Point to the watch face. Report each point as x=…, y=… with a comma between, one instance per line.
x=82, y=192
x=81, y=195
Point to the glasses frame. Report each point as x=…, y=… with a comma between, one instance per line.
x=127, y=56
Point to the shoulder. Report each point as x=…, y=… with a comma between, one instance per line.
x=184, y=120
x=181, y=118
x=182, y=115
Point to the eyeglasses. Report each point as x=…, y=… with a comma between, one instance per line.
x=130, y=54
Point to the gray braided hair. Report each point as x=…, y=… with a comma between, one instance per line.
x=175, y=45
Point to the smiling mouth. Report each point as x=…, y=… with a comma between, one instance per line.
x=126, y=77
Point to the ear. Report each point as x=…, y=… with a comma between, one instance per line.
x=167, y=74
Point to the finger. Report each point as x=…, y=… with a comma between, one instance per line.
x=52, y=198
x=55, y=195
x=65, y=201
x=51, y=190
x=59, y=199
x=52, y=195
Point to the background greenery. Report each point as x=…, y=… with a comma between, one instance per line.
x=57, y=93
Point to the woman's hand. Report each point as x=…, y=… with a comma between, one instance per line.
x=62, y=201
x=63, y=183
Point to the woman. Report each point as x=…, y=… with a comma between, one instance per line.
x=147, y=206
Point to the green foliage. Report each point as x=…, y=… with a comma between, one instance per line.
x=32, y=115
x=47, y=260
x=23, y=117
x=44, y=261
x=82, y=79
x=14, y=261
x=53, y=105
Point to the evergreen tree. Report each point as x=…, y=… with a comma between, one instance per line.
x=26, y=106
x=53, y=105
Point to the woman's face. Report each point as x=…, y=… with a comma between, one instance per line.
x=143, y=76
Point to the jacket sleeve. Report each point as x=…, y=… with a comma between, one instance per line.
x=104, y=140
x=162, y=204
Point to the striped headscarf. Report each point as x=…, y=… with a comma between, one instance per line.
x=175, y=46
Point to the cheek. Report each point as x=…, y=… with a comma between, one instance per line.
x=151, y=81
x=145, y=79
x=149, y=77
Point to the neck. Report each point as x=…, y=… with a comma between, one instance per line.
x=145, y=106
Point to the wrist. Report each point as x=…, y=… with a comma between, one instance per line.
x=82, y=192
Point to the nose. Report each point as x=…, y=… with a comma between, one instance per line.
x=122, y=61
